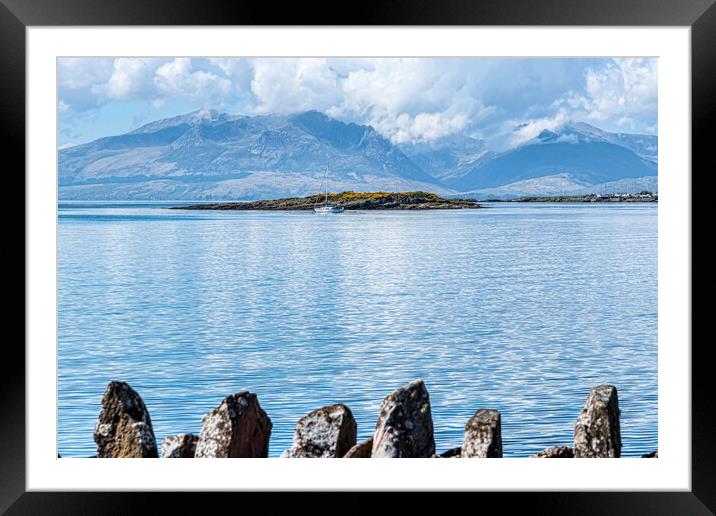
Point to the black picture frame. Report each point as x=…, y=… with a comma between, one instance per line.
x=17, y=15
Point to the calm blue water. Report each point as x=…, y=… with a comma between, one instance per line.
x=519, y=307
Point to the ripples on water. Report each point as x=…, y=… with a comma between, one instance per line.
x=520, y=307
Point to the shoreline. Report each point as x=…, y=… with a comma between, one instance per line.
x=240, y=428
x=581, y=199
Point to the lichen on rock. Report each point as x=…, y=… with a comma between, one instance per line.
x=597, y=432
x=124, y=428
x=182, y=446
x=405, y=424
x=483, y=435
x=238, y=427
x=325, y=432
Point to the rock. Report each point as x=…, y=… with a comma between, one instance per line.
x=325, y=432
x=360, y=450
x=556, y=452
x=483, y=435
x=452, y=453
x=182, y=446
x=238, y=427
x=124, y=428
x=651, y=455
x=596, y=432
x=405, y=424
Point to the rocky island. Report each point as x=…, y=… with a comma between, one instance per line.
x=348, y=201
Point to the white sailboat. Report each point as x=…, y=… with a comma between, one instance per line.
x=327, y=206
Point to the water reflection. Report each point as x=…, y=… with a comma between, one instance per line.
x=520, y=307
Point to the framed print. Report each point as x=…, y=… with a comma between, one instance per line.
x=455, y=231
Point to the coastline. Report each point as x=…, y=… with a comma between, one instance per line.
x=589, y=198
x=240, y=428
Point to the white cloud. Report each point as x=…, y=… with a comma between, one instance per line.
x=288, y=85
x=516, y=133
x=177, y=79
x=239, y=70
x=624, y=90
x=81, y=72
x=76, y=78
x=131, y=78
x=409, y=100
x=506, y=101
x=622, y=93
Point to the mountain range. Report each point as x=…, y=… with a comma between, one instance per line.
x=211, y=155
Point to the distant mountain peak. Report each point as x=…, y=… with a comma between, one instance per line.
x=588, y=154
x=211, y=154
x=311, y=114
x=263, y=155
x=644, y=145
x=583, y=126
x=193, y=118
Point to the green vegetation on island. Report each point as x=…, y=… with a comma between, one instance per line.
x=348, y=201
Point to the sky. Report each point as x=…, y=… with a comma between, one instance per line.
x=504, y=101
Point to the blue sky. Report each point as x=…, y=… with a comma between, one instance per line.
x=505, y=101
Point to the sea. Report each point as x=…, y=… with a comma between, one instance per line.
x=517, y=307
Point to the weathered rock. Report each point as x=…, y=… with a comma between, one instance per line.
x=651, y=455
x=483, y=435
x=325, y=432
x=124, y=428
x=452, y=453
x=360, y=450
x=556, y=452
x=238, y=427
x=596, y=432
x=182, y=446
x=405, y=424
